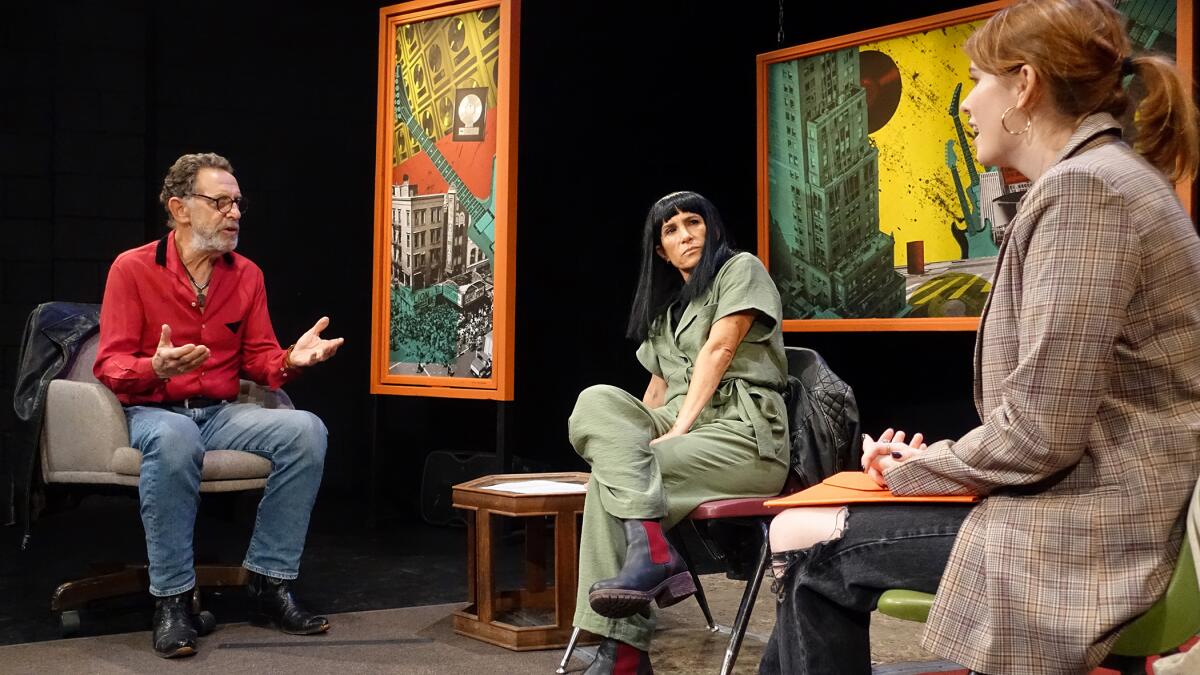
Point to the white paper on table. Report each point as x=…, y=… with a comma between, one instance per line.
x=538, y=487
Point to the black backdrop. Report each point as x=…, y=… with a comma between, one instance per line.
x=620, y=102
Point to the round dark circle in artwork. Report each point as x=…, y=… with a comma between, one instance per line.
x=435, y=59
x=881, y=78
x=457, y=34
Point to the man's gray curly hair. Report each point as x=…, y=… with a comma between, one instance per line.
x=181, y=177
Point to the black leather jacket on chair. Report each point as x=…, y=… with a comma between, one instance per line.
x=823, y=421
x=53, y=334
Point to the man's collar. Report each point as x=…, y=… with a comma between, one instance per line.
x=160, y=251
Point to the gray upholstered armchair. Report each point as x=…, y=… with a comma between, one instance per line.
x=85, y=440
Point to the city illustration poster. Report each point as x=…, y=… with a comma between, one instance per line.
x=438, y=239
x=875, y=205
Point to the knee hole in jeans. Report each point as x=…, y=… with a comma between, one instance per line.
x=800, y=529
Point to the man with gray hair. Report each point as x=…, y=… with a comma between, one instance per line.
x=182, y=320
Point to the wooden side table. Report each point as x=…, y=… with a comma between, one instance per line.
x=537, y=616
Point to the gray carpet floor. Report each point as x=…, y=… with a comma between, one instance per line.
x=420, y=640
x=414, y=640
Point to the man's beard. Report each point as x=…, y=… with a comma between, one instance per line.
x=212, y=242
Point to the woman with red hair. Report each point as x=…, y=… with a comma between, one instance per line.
x=1087, y=380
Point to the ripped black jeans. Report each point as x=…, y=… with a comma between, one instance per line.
x=828, y=591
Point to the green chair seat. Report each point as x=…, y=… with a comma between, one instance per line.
x=1170, y=622
x=907, y=605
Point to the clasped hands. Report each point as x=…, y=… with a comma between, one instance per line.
x=880, y=455
x=170, y=361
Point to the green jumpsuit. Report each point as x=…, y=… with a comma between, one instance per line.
x=737, y=447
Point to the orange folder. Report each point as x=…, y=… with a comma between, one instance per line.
x=856, y=487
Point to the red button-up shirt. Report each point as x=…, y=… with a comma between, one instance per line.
x=147, y=287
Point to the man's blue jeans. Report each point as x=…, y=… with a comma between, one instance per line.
x=173, y=442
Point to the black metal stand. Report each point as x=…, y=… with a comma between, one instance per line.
x=503, y=461
x=374, y=502
x=373, y=445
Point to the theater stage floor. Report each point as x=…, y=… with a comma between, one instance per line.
x=391, y=588
x=421, y=640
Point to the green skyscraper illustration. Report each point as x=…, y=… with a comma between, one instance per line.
x=1151, y=23
x=827, y=254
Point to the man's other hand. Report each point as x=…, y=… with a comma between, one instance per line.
x=311, y=348
x=170, y=360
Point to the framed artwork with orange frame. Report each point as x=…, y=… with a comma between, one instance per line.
x=445, y=199
x=874, y=214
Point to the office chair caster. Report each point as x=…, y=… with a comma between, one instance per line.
x=203, y=619
x=69, y=622
x=205, y=622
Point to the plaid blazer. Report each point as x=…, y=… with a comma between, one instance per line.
x=1087, y=379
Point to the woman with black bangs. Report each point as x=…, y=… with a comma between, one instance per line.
x=711, y=423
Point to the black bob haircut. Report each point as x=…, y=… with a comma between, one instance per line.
x=659, y=283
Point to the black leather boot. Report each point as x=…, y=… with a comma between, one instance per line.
x=653, y=570
x=272, y=602
x=613, y=656
x=174, y=633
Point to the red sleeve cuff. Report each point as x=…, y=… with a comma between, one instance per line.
x=144, y=367
x=141, y=372
x=280, y=373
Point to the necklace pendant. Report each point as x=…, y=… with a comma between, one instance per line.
x=200, y=297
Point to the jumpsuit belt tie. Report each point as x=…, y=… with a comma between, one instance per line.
x=753, y=414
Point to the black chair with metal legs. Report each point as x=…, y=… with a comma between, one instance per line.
x=747, y=511
x=677, y=541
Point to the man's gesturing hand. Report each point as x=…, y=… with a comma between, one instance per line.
x=311, y=348
x=170, y=360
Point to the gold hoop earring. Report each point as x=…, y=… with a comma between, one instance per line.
x=1004, y=121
